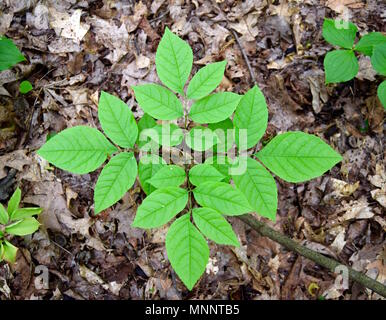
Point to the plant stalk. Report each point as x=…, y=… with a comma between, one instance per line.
x=318, y=258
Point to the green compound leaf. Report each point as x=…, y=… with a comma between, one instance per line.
x=200, y=138
x=174, y=61
x=259, y=187
x=149, y=165
x=382, y=93
x=298, y=156
x=116, y=178
x=9, y=54
x=251, y=114
x=160, y=207
x=201, y=173
x=23, y=213
x=187, y=251
x=222, y=164
x=9, y=252
x=79, y=149
x=168, y=176
x=3, y=215
x=25, y=87
x=206, y=80
x=225, y=132
x=368, y=41
x=222, y=197
x=23, y=227
x=214, y=226
x=340, y=66
x=166, y=134
x=339, y=33
x=117, y=120
x=214, y=108
x=158, y=101
x=14, y=202
x=378, y=59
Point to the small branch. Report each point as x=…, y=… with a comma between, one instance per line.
x=318, y=258
x=253, y=78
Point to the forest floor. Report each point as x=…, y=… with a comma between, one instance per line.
x=75, y=49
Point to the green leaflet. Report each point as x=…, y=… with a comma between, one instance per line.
x=201, y=173
x=378, y=58
x=9, y=54
x=259, y=187
x=166, y=134
x=340, y=66
x=225, y=132
x=339, y=33
x=200, y=138
x=158, y=101
x=3, y=215
x=160, y=207
x=144, y=141
x=223, y=164
x=79, y=149
x=14, y=202
x=366, y=44
x=117, y=120
x=22, y=213
x=146, y=122
x=214, y=108
x=251, y=114
x=148, y=167
x=25, y=87
x=116, y=178
x=174, y=61
x=222, y=197
x=298, y=156
x=168, y=176
x=382, y=93
x=206, y=80
x=23, y=227
x=214, y=226
x=9, y=252
x=187, y=251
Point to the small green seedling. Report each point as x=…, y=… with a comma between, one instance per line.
x=15, y=221
x=342, y=65
x=25, y=87
x=200, y=190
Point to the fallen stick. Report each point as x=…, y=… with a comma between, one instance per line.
x=318, y=258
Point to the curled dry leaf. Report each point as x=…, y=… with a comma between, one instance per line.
x=357, y=209
x=342, y=188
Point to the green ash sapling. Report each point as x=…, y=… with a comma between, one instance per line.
x=203, y=192
x=15, y=221
x=342, y=65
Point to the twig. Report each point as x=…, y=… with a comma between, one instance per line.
x=159, y=17
x=246, y=59
x=318, y=258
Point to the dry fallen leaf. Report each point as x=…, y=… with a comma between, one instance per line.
x=68, y=26
x=340, y=6
x=356, y=209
